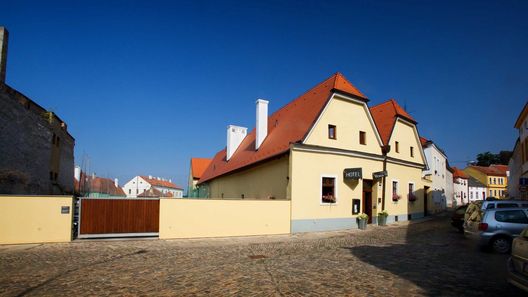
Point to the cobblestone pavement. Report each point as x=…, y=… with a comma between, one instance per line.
x=420, y=259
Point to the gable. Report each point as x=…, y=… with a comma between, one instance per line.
x=406, y=134
x=349, y=116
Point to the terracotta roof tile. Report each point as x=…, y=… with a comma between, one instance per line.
x=154, y=193
x=97, y=184
x=198, y=166
x=288, y=125
x=497, y=170
x=423, y=140
x=160, y=183
x=385, y=115
x=457, y=173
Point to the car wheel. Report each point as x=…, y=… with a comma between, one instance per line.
x=501, y=245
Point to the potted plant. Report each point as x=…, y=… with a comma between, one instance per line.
x=362, y=219
x=382, y=218
x=396, y=197
x=412, y=197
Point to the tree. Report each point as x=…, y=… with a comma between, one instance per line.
x=487, y=158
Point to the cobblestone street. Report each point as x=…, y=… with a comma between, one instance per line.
x=420, y=259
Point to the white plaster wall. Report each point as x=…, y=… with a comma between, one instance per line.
x=135, y=186
x=476, y=193
x=461, y=191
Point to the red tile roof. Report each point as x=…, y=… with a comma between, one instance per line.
x=385, y=115
x=457, y=173
x=423, y=140
x=497, y=170
x=160, y=183
x=287, y=125
x=96, y=184
x=154, y=193
x=198, y=166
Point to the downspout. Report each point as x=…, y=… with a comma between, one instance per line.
x=384, y=150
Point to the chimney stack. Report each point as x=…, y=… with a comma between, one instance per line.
x=77, y=173
x=262, y=122
x=4, y=37
x=235, y=135
x=116, y=182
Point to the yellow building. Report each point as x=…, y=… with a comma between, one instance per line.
x=330, y=154
x=494, y=177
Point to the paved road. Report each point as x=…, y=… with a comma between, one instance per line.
x=421, y=259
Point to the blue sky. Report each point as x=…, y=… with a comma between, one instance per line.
x=146, y=85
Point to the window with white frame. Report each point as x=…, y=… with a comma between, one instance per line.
x=411, y=195
x=328, y=190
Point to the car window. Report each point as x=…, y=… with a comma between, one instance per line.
x=524, y=205
x=490, y=206
x=507, y=205
x=511, y=216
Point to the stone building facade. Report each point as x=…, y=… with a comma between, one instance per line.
x=35, y=147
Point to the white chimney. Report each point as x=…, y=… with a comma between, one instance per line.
x=262, y=122
x=235, y=135
x=4, y=36
x=116, y=182
x=77, y=173
x=150, y=176
x=170, y=180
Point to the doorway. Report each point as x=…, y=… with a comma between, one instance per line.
x=367, y=199
x=426, y=189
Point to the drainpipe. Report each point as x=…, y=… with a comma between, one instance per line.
x=384, y=150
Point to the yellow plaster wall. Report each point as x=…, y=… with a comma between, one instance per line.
x=35, y=219
x=307, y=171
x=349, y=118
x=192, y=218
x=407, y=136
x=405, y=175
x=259, y=182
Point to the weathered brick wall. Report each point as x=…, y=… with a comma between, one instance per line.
x=25, y=148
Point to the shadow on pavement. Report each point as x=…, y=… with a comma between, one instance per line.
x=441, y=262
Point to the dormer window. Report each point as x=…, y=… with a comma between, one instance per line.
x=332, y=132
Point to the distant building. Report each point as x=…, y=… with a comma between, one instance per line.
x=518, y=166
x=36, y=150
x=495, y=177
x=477, y=190
x=139, y=184
x=437, y=170
x=460, y=186
x=197, y=168
x=97, y=187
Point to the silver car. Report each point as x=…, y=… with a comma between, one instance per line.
x=497, y=228
x=490, y=204
x=518, y=262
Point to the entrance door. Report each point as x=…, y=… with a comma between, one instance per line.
x=367, y=199
x=426, y=189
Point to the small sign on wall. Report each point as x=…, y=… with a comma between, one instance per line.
x=65, y=209
x=356, y=206
x=352, y=173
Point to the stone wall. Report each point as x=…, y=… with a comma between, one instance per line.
x=26, y=136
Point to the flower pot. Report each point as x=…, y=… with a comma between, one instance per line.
x=362, y=224
x=382, y=220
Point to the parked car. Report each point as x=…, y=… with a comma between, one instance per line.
x=457, y=219
x=497, y=227
x=490, y=204
x=518, y=262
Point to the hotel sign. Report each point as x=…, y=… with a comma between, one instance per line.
x=379, y=174
x=352, y=173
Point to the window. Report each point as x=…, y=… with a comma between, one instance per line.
x=491, y=193
x=495, y=193
x=129, y=191
x=412, y=151
x=328, y=190
x=362, y=137
x=490, y=180
x=332, y=132
x=494, y=181
x=511, y=216
x=506, y=205
x=411, y=195
x=137, y=191
x=397, y=147
x=471, y=195
x=395, y=196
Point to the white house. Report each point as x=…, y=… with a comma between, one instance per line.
x=461, y=187
x=437, y=170
x=139, y=184
x=477, y=190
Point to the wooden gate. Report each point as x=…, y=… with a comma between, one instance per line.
x=118, y=217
